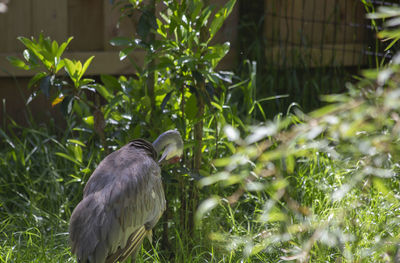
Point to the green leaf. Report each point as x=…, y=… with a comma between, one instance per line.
x=104, y=92
x=36, y=78
x=146, y=22
x=216, y=24
x=78, y=153
x=145, y=102
x=54, y=48
x=78, y=67
x=205, y=14
x=31, y=46
x=84, y=82
x=110, y=82
x=217, y=106
x=72, y=159
x=191, y=107
x=16, y=62
x=76, y=142
x=85, y=66
x=137, y=131
x=143, y=28
x=60, y=64
x=7, y=139
x=290, y=163
x=229, y=7
x=217, y=52
x=195, y=7
x=220, y=17
x=125, y=52
x=89, y=121
x=63, y=46
x=31, y=58
x=121, y=41
x=324, y=111
x=70, y=67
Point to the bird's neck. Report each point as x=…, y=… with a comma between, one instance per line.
x=162, y=141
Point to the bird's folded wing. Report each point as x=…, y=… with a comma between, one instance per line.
x=132, y=245
x=117, y=216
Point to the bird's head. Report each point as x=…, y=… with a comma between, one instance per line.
x=172, y=144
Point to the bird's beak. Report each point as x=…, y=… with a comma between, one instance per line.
x=163, y=158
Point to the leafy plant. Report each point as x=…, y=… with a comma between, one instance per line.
x=179, y=73
x=45, y=56
x=178, y=86
x=322, y=186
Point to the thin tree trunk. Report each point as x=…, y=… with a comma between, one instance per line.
x=198, y=138
x=197, y=155
x=150, y=79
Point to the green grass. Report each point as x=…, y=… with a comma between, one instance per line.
x=36, y=202
x=38, y=194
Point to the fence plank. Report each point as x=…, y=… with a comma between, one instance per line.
x=125, y=28
x=16, y=22
x=85, y=24
x=50, y=17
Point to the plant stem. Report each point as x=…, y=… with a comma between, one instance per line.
x=197, y=154
x=150, y=79
x=198, y=139
x=182, y=185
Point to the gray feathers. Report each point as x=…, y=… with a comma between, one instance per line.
x=123, y=194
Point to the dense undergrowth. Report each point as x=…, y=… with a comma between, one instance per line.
x=316, y=187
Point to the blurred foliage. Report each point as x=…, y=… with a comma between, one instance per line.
x=316, y=187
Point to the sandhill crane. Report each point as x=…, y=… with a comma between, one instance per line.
x=122, y=201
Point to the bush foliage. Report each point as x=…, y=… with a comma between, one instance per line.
x=307, y=187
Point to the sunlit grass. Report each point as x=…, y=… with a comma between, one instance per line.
x=37, y=198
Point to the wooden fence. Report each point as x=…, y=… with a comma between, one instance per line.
x=92, y=23
x=316, y=33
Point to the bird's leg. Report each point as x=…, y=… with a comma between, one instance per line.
x=149, y=235
x=149, y=226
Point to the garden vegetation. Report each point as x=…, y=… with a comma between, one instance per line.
x=322, y=186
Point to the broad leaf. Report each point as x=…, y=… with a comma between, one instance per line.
x=16, y=62
x=36, y=78
x=191, y=107
x=85, y=66
x=121, y=41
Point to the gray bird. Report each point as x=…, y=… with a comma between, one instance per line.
x=122, y=201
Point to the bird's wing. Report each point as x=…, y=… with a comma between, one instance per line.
x=104, y=221
x=131, y=248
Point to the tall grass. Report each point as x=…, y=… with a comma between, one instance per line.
x=36, y=196
x=41, y=182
